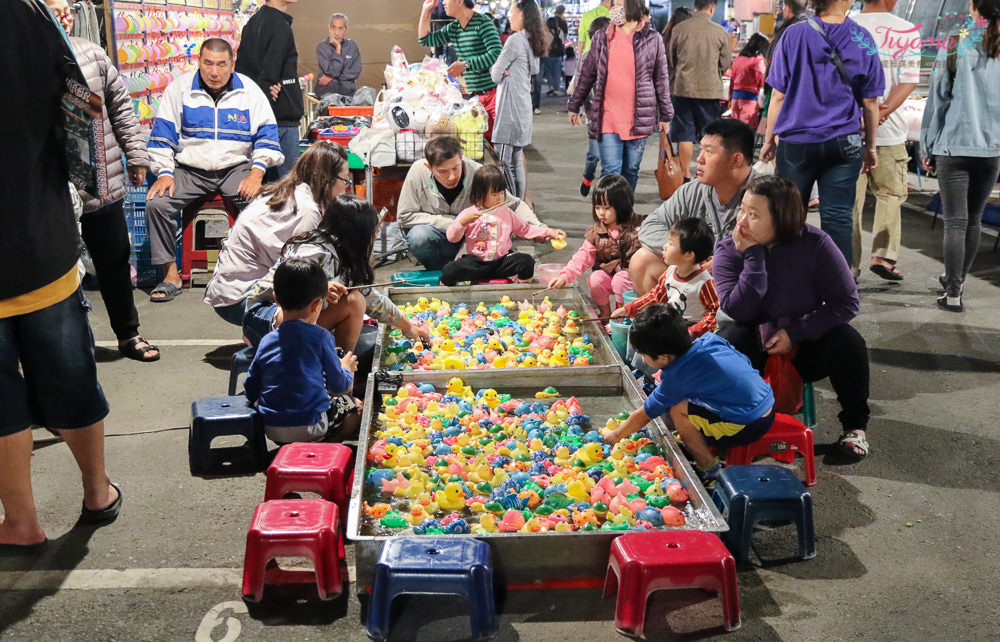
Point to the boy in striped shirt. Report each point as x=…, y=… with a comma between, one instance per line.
x=477, y=44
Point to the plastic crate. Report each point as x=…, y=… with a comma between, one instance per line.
x=147, y=274
x=352, y=111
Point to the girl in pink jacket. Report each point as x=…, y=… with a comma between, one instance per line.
x=487, y=226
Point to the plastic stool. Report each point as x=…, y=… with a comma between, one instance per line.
x=292, y=528
x=192, y=257
x=314, y=468
x=414, y=279
x=213, y=417
x=641, y=563
x=491, y=282
x=785, y=438
x=808, y=405
x=434, y=565
x=751, y=494
x=240, y=365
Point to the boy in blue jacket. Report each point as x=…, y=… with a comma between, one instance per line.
x=715, y=397
x=296, y=365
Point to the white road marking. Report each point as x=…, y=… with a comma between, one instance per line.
x=133, y=578
x=167, y=343
x=214, y=618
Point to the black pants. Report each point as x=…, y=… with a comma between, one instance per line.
x=840, y=354
x=471, y=268
x=106, y=235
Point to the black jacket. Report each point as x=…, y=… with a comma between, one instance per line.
x=40, y=242
x=267, y=54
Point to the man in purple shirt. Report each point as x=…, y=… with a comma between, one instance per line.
x=816, y=111
x=786, y=287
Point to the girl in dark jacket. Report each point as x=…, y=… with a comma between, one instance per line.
x=627, y=69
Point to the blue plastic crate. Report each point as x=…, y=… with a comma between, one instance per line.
x=147, y=273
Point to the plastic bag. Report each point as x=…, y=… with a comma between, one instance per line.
x=764, y=168
x=785, y=382
x=363, y=97
x=375, y=147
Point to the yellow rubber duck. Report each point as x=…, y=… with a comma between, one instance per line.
x=423, y=303
x=563, y=527
x=424, y=499
x=451, y=498
x=416, y=514
x=458, y=388
x=411, y=491
x=577, y=490
x=453, y=362
x=489, y=397
x=561, y=457
x=528, y=362
x=488, y=523
x=590, y=454
x=570, y=327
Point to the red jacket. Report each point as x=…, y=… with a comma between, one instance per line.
x=652, y=83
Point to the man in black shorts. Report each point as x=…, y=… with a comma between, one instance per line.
x=700, y=54
x=48, y=376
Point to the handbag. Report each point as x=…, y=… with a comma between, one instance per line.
x=669, y=175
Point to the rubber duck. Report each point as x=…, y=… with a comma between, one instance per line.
x=577, y=490
x=376, y=511
x=451, y=498
x=562, y=456
x=529, y=362
x=590, y=454
x=411, y=491
x=389, y=486
x=489, y=397
x=570, y=327
x=488, y=523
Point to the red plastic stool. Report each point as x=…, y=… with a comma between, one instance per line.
x=785, y=438
x=191, y=258
x=292, y=528
x=641, y=563
x=319, y=468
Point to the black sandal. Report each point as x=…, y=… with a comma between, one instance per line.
x=132, y=350
x=887, y=272
x=102, y=516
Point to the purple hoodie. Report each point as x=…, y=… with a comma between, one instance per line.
x=804, y=287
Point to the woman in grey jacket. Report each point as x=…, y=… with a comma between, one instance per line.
x=960, y=137
x=512, y=72
x=103, y=222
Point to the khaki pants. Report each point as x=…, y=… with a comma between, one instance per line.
x=888, y=183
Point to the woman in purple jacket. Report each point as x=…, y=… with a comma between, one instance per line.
x=627, y=69
x=787, y=287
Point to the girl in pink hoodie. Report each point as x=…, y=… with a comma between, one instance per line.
x=487, y=226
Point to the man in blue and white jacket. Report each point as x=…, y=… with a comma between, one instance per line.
x=214, y=131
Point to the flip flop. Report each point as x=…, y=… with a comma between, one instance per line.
x=168, y=290
x=887, y=272
x=102, y=516
x=13, y=550
x=131, y=350
x=847, y=444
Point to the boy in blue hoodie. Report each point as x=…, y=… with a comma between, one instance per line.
x=714, y=396
x=296, y=366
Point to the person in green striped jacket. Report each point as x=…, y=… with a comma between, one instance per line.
x=477, y=43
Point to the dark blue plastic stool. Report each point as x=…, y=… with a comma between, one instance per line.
x=434, y=565
x=752, y=494
x=213, y=417
x=240, y=365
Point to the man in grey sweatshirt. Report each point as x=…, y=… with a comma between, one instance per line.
x=339, y=60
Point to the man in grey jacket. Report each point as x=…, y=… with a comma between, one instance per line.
x=714, y=196
x=339, y=60
x=435, y=191
x=103, y=224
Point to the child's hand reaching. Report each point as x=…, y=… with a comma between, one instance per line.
x=349, y=362
x=335, y=291
x=619, y=313
x=467, y=219
x=414, y=331
x=557, y=234
x=556, y=282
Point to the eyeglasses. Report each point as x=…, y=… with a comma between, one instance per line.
x=348, y=183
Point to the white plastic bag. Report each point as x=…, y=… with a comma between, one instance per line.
x=765, y=169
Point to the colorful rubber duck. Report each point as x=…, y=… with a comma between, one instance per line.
x=590, y=454
x=451, y=498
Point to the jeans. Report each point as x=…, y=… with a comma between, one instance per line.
x=431, y=247
x=106, y=235
x=841, y=354
x=834, y=164
x=48, y=376
x=552, y=72
x=593, y=158
x=965, y=185
x=512, y=161
x=258, y=321
x=288, y=138
x=232, y=313
x=623, y=157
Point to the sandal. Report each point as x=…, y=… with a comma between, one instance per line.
x=14, y=550
x=131, y=350
x=102, y=516
x=887, y=272
x=167, y=289
x=853, y=446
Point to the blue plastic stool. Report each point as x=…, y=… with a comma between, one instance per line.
x=751, y=494
x=414, y=279
x=240, y=365
x=434, y=565
x=213, y=417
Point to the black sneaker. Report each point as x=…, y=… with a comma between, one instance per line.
x=585, y=187
x=948, y=303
